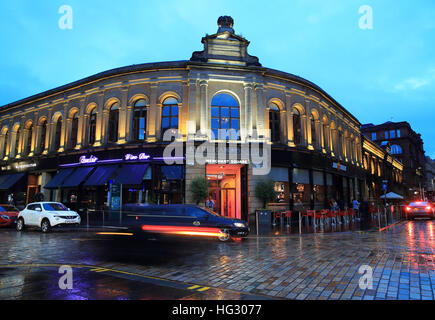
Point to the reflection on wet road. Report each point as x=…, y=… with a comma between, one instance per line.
x=311, y=266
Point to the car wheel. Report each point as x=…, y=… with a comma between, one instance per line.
x=225, y=235
x=45, y=226
x=20, y=224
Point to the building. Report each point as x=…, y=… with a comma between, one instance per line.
x=430, y=179
x=99, y=141
x=407, y=146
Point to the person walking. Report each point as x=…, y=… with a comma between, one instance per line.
x=355, y=207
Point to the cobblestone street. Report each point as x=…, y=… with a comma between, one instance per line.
x=312, y=266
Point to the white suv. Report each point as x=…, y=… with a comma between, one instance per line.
x=46, y=215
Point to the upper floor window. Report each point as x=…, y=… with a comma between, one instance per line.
x=396, y=149
x=74, y=130
x=113, y=122
x=58, y=133
x=386, y=134
x=274, y=123
x=398, y=133
x=29, y=139
x=169, y=114
x=373, y=136
x=313, y=131
x=392, y=134
x=139, y=120
x=17, y=141
x=92, y=126
x=43, y=135
x=225, y=117
x=297, y=132
x=5, y=146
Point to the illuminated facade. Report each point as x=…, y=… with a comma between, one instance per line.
x=108, y=121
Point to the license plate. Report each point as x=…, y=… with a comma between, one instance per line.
x=71, y=222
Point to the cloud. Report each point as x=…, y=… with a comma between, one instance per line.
x=414, y=83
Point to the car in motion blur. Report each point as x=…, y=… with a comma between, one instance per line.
x=183, y=220
x=8, y=215
x=419, y=209
x=46, y=215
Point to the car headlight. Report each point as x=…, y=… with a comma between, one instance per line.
x=5, y=217
x=239, y=224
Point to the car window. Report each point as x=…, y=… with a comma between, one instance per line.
x=54, y=207
x=38, y=206
x=2, y=209
x=196, y=212
x=31, y=207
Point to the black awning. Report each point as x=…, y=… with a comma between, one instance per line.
x=77, y=177
x=131, y=174
x=8, y=181
x=58, y=179
x=101, y=176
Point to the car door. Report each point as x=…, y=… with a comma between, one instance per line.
x=29, y=214
x=38, y=212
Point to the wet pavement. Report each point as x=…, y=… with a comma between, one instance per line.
x=308, y=266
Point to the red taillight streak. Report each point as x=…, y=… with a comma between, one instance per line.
x=192, y=231
x=408, y=209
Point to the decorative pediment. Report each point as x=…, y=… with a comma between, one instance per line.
x=225, y=47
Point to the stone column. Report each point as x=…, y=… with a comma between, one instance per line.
x=129, y=123
x=2, y=146
x=304, y=130
x=289, y=122
x=283, y=124
x=184, y=111
x=13, y=141
x=152, y=118
x=248, y=110
x=204, y=107
x=260, y=109
x=101, y=130
x=81, y=127
x=193, y=110
x=122, y=119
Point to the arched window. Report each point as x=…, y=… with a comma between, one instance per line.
x=340, y=143
x=396, y=149
x=29, y=139
x=274, y=123
x=225, y=115
x=74, y=129
x=297, y=132
x=113, y=122
x=43, y=135
x=92, y=126
x=169, y=114
x=140, y=120
x=313, y=131
x=5, y=146
x=57, y=134
x=17, y=141
x=325, y=134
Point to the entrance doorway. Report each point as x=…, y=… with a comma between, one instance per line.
x=224, y=188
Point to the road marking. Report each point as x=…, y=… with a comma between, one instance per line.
x=203, y=289
x=193, y=287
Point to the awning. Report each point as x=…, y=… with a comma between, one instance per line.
x=392, y=195
x=8, y=181
x=100, y=176
x=77, y=177
x=173, y=172
x=58, y=179
x=131, y=174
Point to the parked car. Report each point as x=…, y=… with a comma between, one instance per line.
x=46, y=215
x=182, y=220
x=419, y=209
x=8, y=215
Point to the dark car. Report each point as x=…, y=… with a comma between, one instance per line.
x=182, y=220
x=419, y=209
x=8, y=215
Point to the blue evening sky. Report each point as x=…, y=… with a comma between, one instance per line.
x=383, y=74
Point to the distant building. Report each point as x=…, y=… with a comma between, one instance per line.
x=430, y=179
x=407, y=146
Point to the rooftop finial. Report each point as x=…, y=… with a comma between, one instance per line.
x=225, y=23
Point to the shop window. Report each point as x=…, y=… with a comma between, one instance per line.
x=301, y=188
x=225, y=117
x=274, y=123
x=57, y=134
x=297, y=132
x=74, y=130
x=92, y=126
x=318, y=190
x=170, y=112
x=282, y=187
x=113, y=123
x=139, y=120
x=43, y=136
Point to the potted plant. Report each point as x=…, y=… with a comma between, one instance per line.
x=199, y=189
x=265, y=191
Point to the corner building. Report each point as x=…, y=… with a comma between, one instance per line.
x=75, y=142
